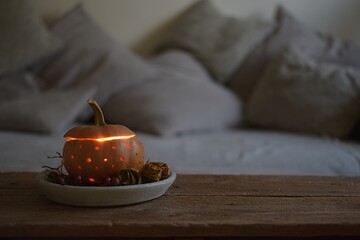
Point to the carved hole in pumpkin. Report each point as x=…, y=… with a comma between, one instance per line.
x=113, y=166
x=122, y=158
x=97, y=148
x=80, y=146
x=88, y=160
x=96, y=168
x=72, y=157
x=105, y=159
x=91, y=180
x=79, y=167
x=113, y=147
x=103, y=139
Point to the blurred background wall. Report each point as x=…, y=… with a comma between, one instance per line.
x=139, y=23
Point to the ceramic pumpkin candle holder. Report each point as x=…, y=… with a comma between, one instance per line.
x=100, y=151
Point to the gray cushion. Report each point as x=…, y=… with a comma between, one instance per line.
x=44, y=113
x=291, y=32
x=91, y=57
x=174, y=101
x=18, y=85
x=24, y=37
x=219, y=42
x=300, y=94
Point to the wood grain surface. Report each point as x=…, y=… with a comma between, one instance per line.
x=195, y=206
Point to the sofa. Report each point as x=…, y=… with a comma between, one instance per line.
x=219, y=95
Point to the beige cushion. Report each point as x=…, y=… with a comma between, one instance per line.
x=24, y=37
x=219, y=42
x=91, y=58
x=49, y=112
x=175, y=101
x=290, y=31
x=299, y=94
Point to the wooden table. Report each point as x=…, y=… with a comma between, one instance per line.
x=195, y=206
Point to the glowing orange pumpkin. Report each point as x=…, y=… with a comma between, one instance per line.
x=100, y=151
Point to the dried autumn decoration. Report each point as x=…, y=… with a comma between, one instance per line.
x=130, y=177
x=100, y=151
x=155, y=171
x=165, y=170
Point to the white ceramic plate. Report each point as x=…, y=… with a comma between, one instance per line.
x=86, y=196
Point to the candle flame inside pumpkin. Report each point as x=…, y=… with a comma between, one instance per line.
x=104, y=139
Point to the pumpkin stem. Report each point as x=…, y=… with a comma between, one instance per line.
x=99, y=116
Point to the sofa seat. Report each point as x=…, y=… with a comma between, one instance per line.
x=217, y=152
